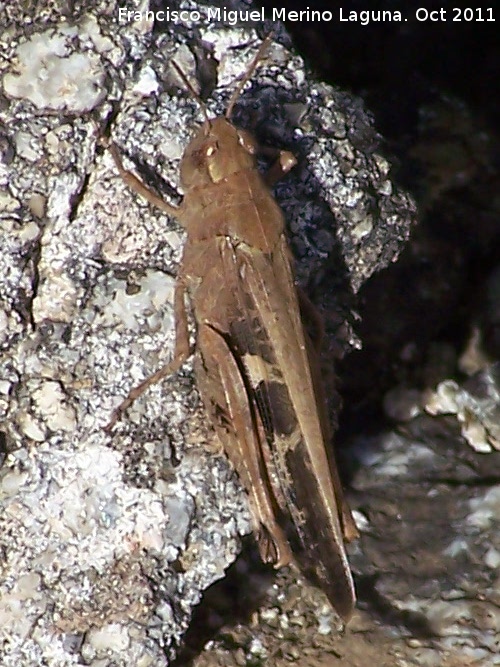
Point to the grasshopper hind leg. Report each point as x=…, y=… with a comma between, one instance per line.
x=181, y=353
x=225, y=396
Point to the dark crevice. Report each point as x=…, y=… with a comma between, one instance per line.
x=226, y=603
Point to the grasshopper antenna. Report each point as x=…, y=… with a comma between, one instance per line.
x=258, y=56
x=193, y=92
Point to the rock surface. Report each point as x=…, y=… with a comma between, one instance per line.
x=108, y=542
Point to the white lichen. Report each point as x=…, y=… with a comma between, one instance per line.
x=51, y=76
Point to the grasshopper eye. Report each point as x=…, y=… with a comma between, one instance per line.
x=212, y=149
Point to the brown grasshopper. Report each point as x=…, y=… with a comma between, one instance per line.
x=256, y=367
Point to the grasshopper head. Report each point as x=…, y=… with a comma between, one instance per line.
x=217, y=151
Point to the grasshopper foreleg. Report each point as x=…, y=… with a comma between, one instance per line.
x=136, y=185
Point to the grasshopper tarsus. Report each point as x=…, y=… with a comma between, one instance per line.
x=284, y=163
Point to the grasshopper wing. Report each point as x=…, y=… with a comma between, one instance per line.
x=286, y=391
